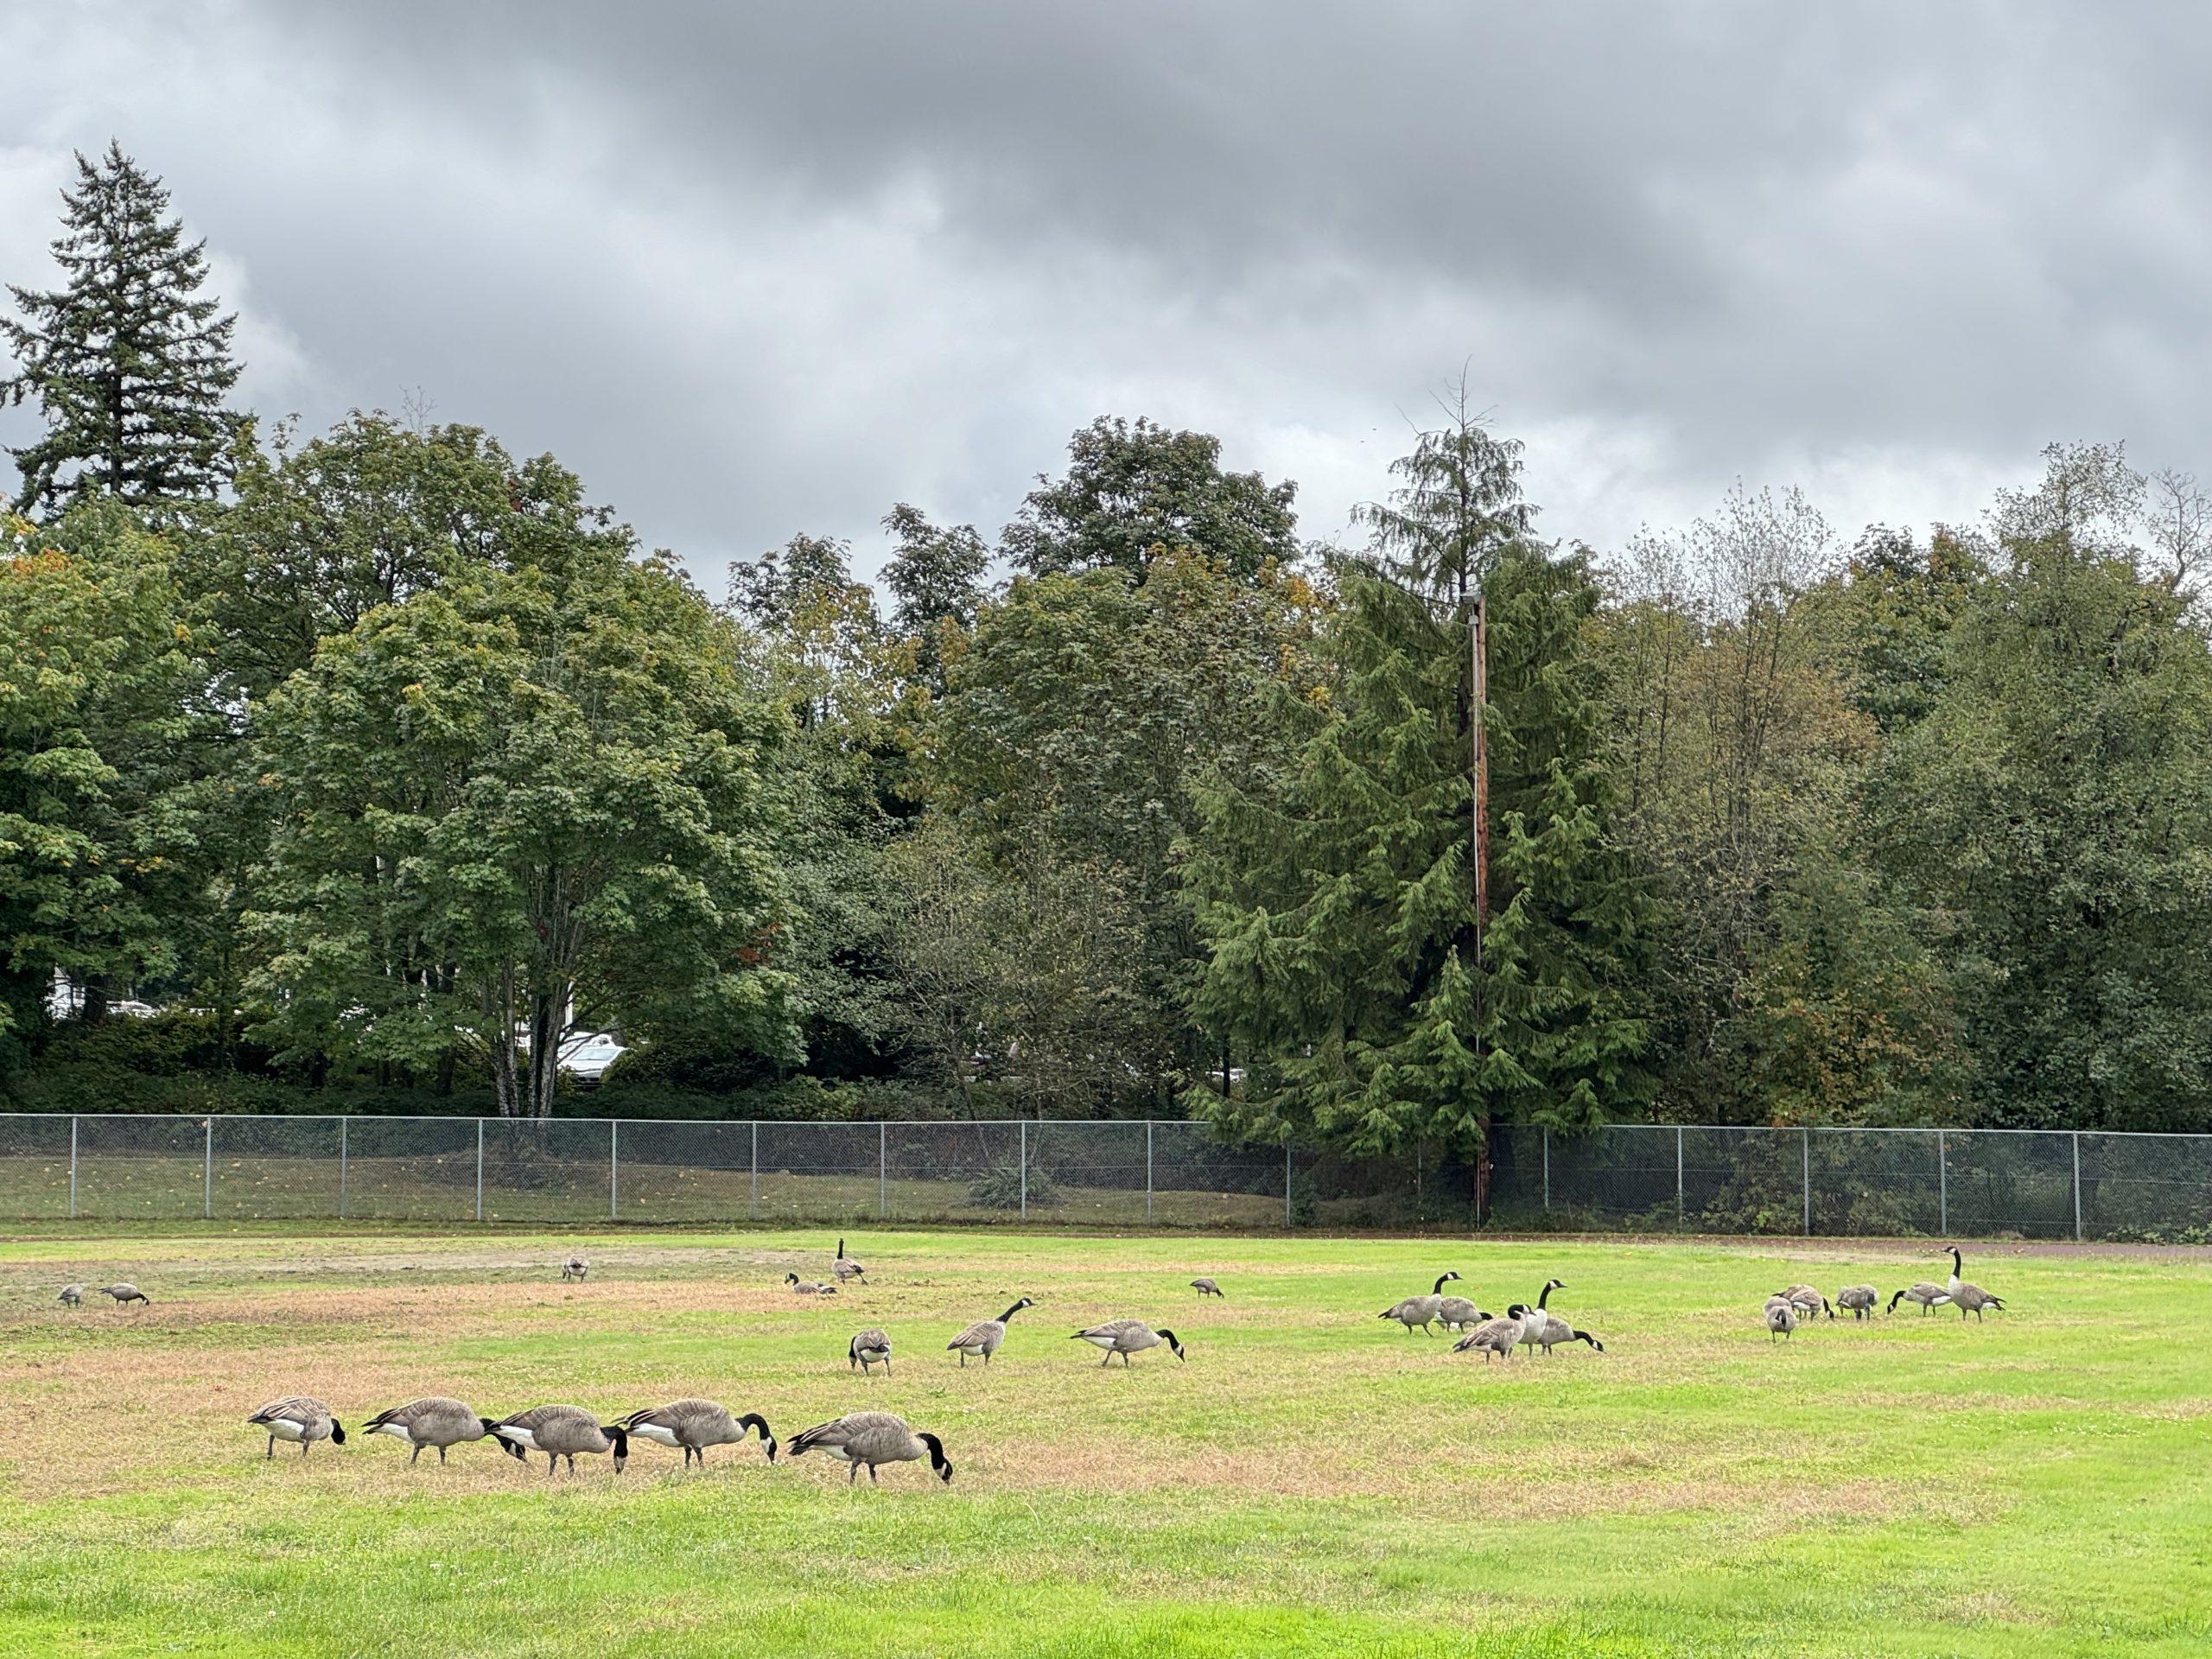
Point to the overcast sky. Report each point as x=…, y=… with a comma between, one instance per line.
x=756, y=269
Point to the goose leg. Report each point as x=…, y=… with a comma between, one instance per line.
x=1104, y=1363
x=872, y=1480
x=416, y=1455
x=852, y=1474
x=271, y=1451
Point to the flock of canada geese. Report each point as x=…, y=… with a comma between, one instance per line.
x=871, y=1438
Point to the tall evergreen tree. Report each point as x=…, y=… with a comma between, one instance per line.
x=128, y=364
x=1339, y=905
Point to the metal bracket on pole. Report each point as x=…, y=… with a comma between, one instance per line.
x=882, y=1170
x=480, y=1169
x=1805, y=1138
x=752, y=1205
x=2077, y=1187
x=207, y=1174
x=341, y=1168
x=614, y=1169
x=1942, y=1184
x=73, y=1166
x=1025, y=1169
x=1547, y=1169
x=1147, y=1171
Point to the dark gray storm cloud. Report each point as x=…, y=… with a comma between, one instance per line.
x=754, y=270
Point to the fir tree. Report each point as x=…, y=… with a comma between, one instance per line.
x=129, y=367
x=1338, y=904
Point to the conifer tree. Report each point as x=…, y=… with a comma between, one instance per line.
x=128, y=365
x=1338, y=903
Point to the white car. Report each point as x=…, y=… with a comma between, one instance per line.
x=586, y=1055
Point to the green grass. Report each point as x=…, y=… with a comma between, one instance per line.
x=1311, y=1481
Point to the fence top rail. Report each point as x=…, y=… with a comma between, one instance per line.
x=200, y=1119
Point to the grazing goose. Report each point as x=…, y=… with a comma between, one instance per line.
x=574, y=1268
x=1127, y=1337
x=1419, y=1311
x=869, y=1347
x=845, y=1268
x=691, y=1426
x=562, y=1432
x=1495, y=1337
x=1859, y=1299
x=72, y=1296
x=126, y=1293
x=984, y=1335
x=1928, y=1297
x=1555, y=1330
x=873, y=1438
x=1967, y=1298
x=807, y=1287
x=1206, y=1287
x=1781, y=1317
x=437, y=1421
x=1808, y=1300
x=300, y=1418
x=1458, y=1313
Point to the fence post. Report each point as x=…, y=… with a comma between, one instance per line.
x=1680, y=1215
x=1805, y=1145
x=1942, y=1183
x=1547, y=1169
x=2077, y=1187
x=753, y=1203
x=1286, y=1183
x=480, y=1169
x=73, y=1166
x=208, y=1171
x=341, y=1166
x=1025, y=1169
x=614, y=1169
x=1147, y=1171
x=882, y=1171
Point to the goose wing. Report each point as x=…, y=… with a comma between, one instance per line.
x=981, y=1331
x=300, y=1408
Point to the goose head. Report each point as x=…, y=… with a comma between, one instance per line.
x=938, y=1461
x=1168, y=1336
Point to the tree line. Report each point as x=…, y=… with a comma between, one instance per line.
x=381, y=758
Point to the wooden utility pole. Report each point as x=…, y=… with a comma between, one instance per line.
x=1478, y=644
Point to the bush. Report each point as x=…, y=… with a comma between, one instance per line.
x=1001, y=1188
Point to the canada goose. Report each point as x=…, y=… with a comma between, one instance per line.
x=1928, y=1297
x=562, y=1432
x=1419, y=1310
x=297, y=1418
x=126, y=1293
x=1495, y=1337
x=868, y=1348
x=1781, y=1317
x=873, y=1438
x=1808, y=1300
x=807, y=1287
x=1859, y=1299
x=1967, y=1298
x=983, y=1337
x=1127, y=1337
x=692, y=1426
x=1555, y=1330
x=436, y=1421
x=1458, y=1313
x=574, y=1268
x=845, y=1268
x=1533, y=1320
x=72, y=1296
x=1205, y=1288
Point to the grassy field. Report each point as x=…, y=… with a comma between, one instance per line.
x=1311, y=1481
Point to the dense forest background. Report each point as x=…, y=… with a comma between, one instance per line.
x=375, y=759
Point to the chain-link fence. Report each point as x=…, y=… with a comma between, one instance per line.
x=1624, y=1178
